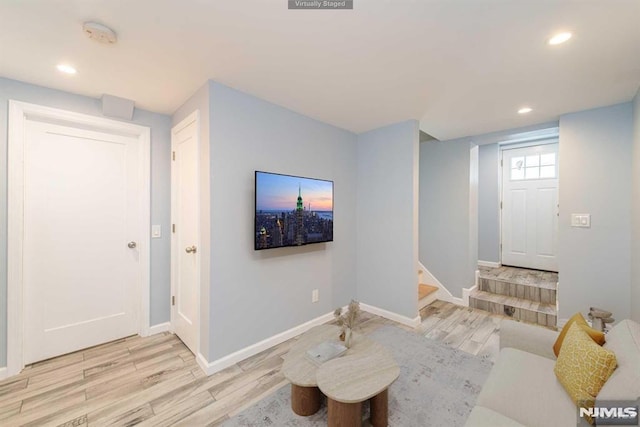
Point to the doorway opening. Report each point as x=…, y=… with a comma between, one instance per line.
x=523, y=283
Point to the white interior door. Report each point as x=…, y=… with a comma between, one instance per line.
x=530, y=207
x=185, y=313
x=81, y=209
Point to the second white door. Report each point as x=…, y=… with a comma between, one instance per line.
x=184, y=216
x=530, y=207
x=81, y=228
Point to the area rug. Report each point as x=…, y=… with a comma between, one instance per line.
x=438, y=386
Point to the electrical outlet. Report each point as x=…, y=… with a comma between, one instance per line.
x=314, y=295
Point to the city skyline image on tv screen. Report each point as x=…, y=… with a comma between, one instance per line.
x=292, y=210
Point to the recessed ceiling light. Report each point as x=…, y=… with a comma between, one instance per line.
x=525, y=110
x=560, y=38
x=66, y=68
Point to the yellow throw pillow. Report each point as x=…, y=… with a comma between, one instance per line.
x=596, y=335
x=583, y=366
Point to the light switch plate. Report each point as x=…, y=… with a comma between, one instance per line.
x=581, y=220
x=156, y=231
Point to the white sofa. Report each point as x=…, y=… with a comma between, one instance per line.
x=522, y=389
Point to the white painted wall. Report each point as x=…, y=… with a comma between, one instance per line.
x=387, y=250
x=447, y=233
x=595, y=177
x=257, y=294
x=200, y=101
x=160, y=188
x=635, y=199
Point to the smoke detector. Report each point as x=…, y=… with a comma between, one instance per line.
x=99, y=32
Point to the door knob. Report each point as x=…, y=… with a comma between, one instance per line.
x=132, y=245
x=191, y=249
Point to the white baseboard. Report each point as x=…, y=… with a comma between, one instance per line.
x=465, y=294
x=457, y=301
x=490, y=264
x=206, y=366
x=3, y=373
x=211, y=368
x=159, y=328
x=413, y=323
x=443, y=293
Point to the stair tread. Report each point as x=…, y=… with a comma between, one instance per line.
x=426, y=290
x=520, y=276
x=550, y=286
x=515, y=302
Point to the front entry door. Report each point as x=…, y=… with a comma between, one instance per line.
x=530, y=207
x=81, y=228
x=184, y=216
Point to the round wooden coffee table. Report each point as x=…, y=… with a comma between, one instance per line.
x=301, y=372
x=364, y=372
x=350, y=380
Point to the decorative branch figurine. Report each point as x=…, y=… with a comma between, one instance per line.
x=347, y=321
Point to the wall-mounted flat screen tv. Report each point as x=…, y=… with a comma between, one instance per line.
x=292, y=210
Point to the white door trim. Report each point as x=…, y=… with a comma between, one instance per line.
x=193, y=117
x=19, y=114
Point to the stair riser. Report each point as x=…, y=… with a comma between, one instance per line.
x=515, y=312
x=531, y=293
x=423, y=302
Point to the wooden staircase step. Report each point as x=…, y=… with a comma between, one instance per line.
x=520, y=276
x=529, y=291
x=426, y=290
x=522, y=309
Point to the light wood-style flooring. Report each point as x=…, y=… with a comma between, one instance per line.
x=155, y=381
x=468, y=329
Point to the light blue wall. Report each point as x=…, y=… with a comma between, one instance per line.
x=387, y=195
x=635, y=239
x=257, y=294
x=595, y=178
x=446, y=214
x=489, y=203
x=160, y=188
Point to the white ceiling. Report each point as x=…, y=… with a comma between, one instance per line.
x=462, y=67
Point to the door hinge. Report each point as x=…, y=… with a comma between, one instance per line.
x=173, y=155
x=500, y=205
x=501, y=162
x=173, y=228
x=173, y=300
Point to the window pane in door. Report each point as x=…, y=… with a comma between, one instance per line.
x=548, y=159
x=533, y=160
x=517, y=162
x=547, y=172
x=532, y=173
